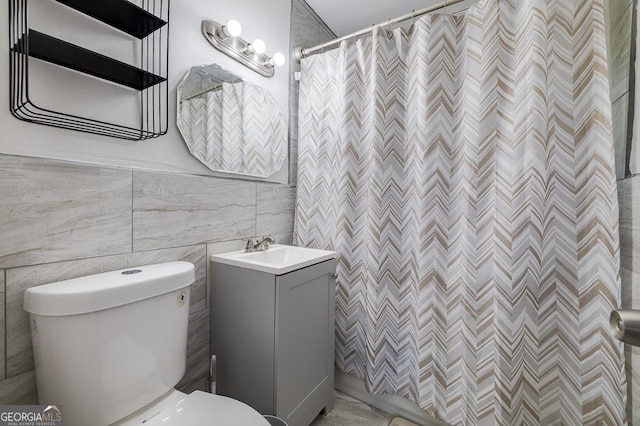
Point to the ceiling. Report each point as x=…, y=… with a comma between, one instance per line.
x=347, y=16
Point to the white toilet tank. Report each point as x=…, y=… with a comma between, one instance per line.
x=105, y=345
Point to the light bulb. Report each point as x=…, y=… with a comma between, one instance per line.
x=258, y=46
x=232, y=29
x=277, y=60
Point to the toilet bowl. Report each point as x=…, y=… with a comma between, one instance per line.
x=111, y=347
x=197, y=408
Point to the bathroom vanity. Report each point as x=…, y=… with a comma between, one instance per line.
x=272, y=330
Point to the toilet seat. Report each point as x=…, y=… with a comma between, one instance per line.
x=203, y=409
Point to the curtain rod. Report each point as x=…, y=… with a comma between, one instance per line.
x=299, y=53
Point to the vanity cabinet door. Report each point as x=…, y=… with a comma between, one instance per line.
x=304, y=333
x=243, y=335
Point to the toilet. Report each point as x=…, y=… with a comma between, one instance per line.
x=109, y=348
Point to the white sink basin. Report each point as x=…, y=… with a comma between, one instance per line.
x=277, y=259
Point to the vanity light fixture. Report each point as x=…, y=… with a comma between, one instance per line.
x=226, y=38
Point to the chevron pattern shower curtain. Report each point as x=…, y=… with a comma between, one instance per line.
x=463, y=169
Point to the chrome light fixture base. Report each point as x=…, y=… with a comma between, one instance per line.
x=236, y=48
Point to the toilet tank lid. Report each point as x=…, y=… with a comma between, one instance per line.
x=107, y=290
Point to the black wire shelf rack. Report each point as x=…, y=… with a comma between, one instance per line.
x=149, y=23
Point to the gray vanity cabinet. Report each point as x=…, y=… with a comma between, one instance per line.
x=273, y=338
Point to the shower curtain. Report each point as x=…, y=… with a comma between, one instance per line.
x=463, y=170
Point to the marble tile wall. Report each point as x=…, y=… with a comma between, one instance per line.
x=272, y=201
x=307, y=30
x=63, y=220
x=65, y=210
x=619, y=42
x=171, y=210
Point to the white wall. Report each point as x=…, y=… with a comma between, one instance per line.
x=67, y=91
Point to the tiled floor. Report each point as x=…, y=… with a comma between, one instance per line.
x=348, y=411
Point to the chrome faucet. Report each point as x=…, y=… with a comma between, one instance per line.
x=261, y=245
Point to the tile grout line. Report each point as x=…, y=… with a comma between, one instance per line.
x=620, y=97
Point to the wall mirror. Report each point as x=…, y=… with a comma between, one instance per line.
x=229, y=124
